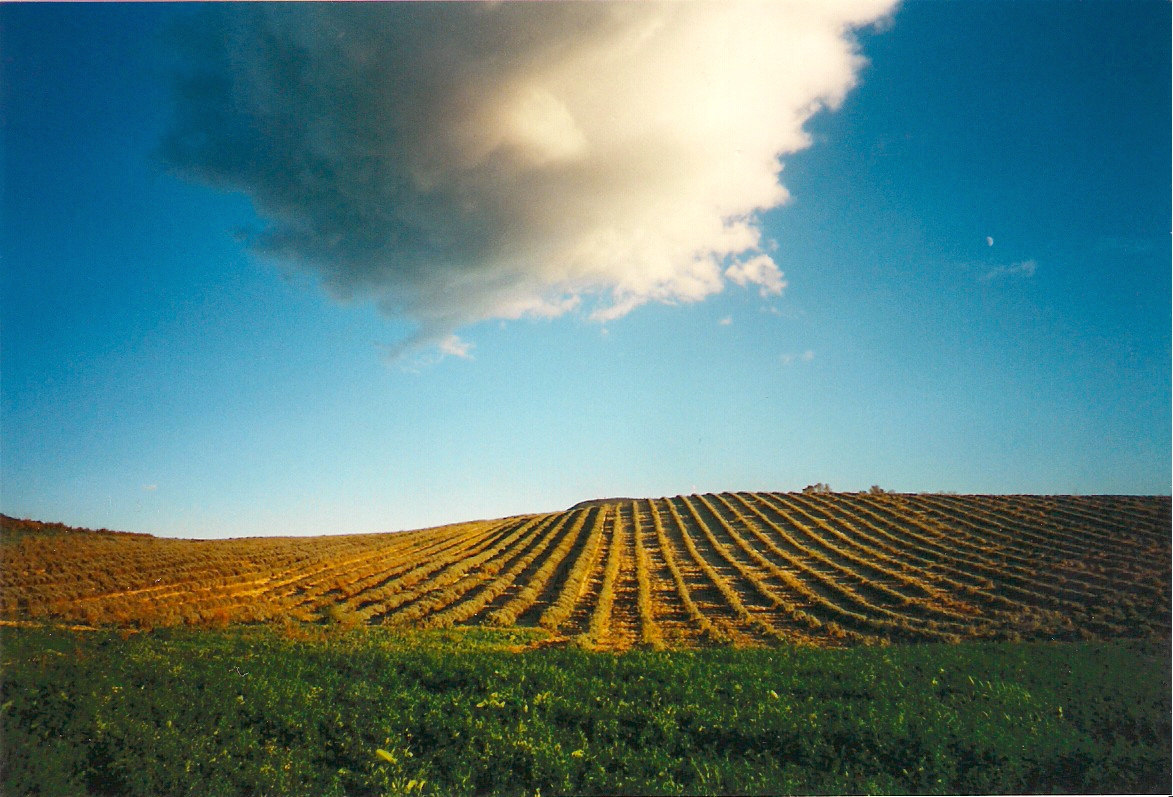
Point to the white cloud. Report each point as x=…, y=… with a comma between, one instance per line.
x=790, y=359
x=726, y=321
x=1025, y=268
x=1127, y=245
x=455, y=347
x=761, y=271
x=457, y=162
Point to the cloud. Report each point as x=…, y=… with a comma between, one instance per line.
x=458, y=162
x=761, y=271
x=805, y=357
x=1126, y=245
x=421, y=352
x=1026, y=268
x=454, y=346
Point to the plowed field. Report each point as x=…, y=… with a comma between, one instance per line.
x=749, y=569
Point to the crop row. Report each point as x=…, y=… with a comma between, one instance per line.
x=745, y=568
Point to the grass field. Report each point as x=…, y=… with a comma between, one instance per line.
x=371, y=712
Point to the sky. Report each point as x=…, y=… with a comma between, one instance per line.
x=322, y=269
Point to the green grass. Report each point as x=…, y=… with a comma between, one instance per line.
x=252, y=711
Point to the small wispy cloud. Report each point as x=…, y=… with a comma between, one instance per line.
x=456, y=347
x=1125, y=245
x=726, y=321
x=761, y=271
x=426, y=350
x=1025, y=268
x=791, y=359
x=150, y=488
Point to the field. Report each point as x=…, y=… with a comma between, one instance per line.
x=747, y=569
x=250, y=711
x=750, y=643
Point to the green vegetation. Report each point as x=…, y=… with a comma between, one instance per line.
x=372, y=711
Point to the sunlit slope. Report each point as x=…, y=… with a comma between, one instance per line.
x=745, y=568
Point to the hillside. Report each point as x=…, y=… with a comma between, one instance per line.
x=744, y=568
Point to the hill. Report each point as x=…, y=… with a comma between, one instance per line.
x=749, y=569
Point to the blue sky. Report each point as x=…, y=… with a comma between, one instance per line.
x=968, y=288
